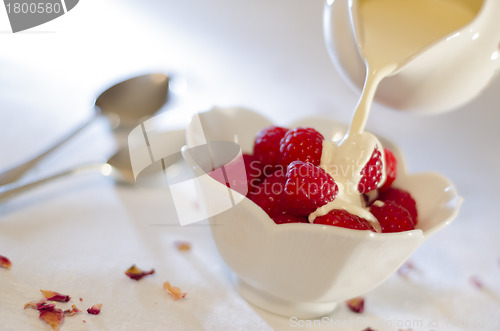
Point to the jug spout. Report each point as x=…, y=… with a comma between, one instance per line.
x=488, y=29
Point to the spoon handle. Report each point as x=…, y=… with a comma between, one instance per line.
x=14, y=173
x=10, y=190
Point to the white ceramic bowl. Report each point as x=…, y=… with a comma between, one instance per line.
x=304, y=270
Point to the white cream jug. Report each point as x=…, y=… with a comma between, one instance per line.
x=442, y=75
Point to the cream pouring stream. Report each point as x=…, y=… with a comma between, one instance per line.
x=389, y=33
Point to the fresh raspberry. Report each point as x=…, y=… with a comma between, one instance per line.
x=391, y=167
x=289, y=218
x=267, y=145
x=392, y=217
x=401, y=198
x=301, y=144
x=344, y=219
x=239, y=178
x=307, y=187
x=268, y=194
x=371, y=174
x=253, y=171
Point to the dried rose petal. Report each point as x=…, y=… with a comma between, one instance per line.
x=52, y=317
x=54, y=296
x=476, y=282
x=31, y=304
x=74, y=310
x=5, y=262
x=405, y=269
x=40, y=305
x=45, y=306
x=175, y=292
x=183, y=245
x=95, y=309
x=136, y=274
x=356, y=305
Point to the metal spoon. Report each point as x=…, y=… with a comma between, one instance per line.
x=108, y=169
x=125, y=105
x=117, y=167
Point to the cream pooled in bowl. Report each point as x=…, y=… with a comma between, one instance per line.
x=297, y=269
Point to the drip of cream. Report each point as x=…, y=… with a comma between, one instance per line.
x=390, y=32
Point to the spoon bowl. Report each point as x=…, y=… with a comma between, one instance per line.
x=125, y=105
x=130, y=102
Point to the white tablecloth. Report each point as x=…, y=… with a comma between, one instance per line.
x=78, y=235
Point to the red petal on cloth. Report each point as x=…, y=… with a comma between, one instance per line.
x=53, y=317
x=137, y=274
x=40, y=305
x=54, y=296
x=406, y=269
x=31, y=304
x=74, y=310
x=5, y=262
x=174, y=291
x=47, y=306
x=95, y=309
x=356, y=305
x=476, y=282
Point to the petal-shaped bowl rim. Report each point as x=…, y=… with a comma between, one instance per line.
x=321, y=122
